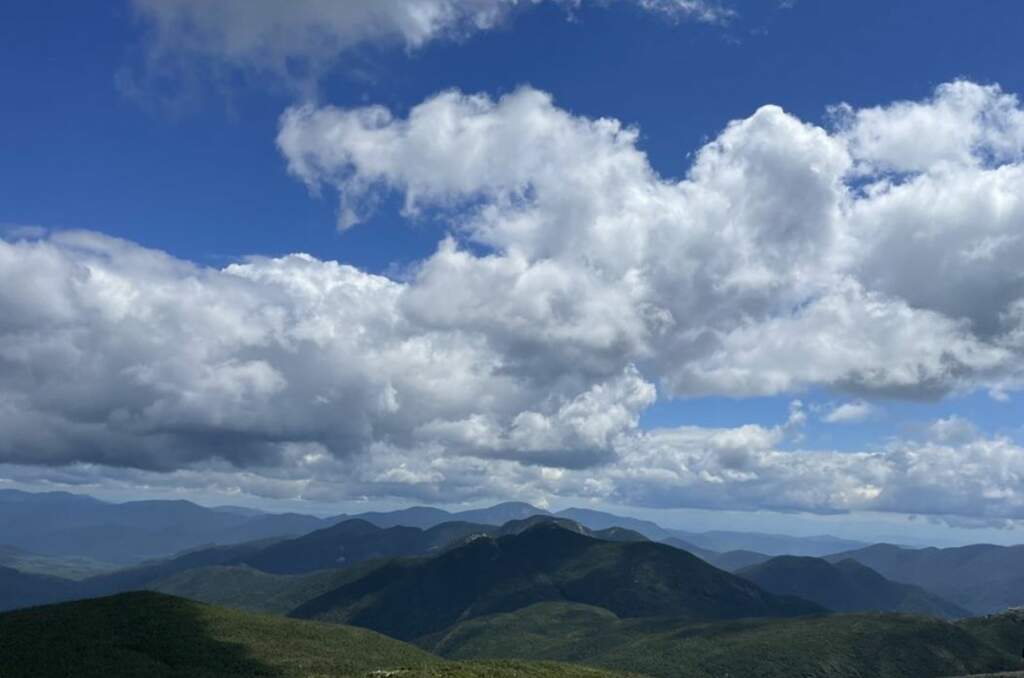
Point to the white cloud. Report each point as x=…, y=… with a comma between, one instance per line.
x=115, y=354
x=298, y=41
x=517, y=359
x=757, y=274
x=954, y=430
x=848, y=413
x=962, y=124
x=975, y=481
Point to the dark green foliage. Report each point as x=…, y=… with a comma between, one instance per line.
x=618, y=534
x=836, y=646
x=846, y=586
x=1004, y=630
x=249, y=589
x=982, y=578
x=157, y=636
x=408, y=599
x=141, y=576
x=355, y=541
x=148, y=634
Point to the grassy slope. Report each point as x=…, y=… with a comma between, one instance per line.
x=158, y=636
x=1005, y=630
x=840, y=646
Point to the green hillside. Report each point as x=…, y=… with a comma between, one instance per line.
x=412, y=598
x=356, y=541
x=158, y=636
x=250, y=589
x=1004, y=630
x=846, y=586
x=836, y=646
x=141, y=576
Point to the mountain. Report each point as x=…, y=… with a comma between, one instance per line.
x=982, y=578
x=834, y=646
x=704, y=554
x=845, y=586
x=238, y=510
x=416, y=516
x=425, y=517
x=141, y=576
x=500, y=514
x=599, y=520
x=730, y=561
x=245, y=588
x=705, y=542
x=23, y=589
x=248, y=588
x=66, y=567
x=354, y=541
x=769, y=544
x=274, y=525
x=412, y=598
x=340, y=546
x=63, y=524
x=20, y=589
x=150, y=634
x=618, y=534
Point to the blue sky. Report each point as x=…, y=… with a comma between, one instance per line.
x=111, y=123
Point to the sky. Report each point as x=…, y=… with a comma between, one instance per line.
x=747, y=265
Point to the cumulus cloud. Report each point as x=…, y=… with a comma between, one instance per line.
x=975, y=476
x=963, y=124
x=758, y=273
x=119, y=355
x=851, y=412
x=575, y=286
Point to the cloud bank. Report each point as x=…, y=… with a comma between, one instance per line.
x=577, y=285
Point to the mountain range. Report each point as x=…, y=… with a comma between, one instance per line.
x=63, y=524
x=109, y=547
x=474, y=598
x=845, y=586
x=545, y=562
x=983, y=578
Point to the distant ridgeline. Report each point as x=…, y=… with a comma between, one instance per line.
x=496, y=591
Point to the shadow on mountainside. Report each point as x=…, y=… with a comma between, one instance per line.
x=129, y=635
